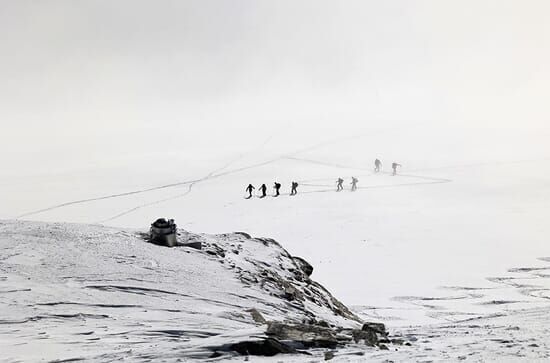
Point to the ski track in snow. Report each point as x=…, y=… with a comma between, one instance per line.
x=213, y=175
x=111, y=196
x=190, y=183
x=217, y=174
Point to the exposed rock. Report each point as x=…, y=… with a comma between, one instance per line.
x=376, y=327
x=304, y=334
x=291, y=293
x=304, y=266
x=267, y=347
x=216, y=354
x=329, y=355
x=368, y=336
x=196, y=245
x=215, y=250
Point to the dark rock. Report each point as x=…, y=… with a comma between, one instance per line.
x=329, y=355
x=267, y=347
x=215, y=250
x=376, y=327
x=304, y=334
x=323, y=324
x=195, y=245
x=215, y=355
x=368, y=336
x=291, y=293
x=383, y=347
x=303, y=265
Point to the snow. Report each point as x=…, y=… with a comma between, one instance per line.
x=76, y=291
x=434, y=245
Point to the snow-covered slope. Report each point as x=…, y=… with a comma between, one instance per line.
x=90, y=292
x=94, y=293
x=460, y=233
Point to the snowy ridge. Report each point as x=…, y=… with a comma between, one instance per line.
x=94, y=293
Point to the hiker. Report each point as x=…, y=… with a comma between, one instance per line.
x=339, y=185
x=277, y=187
x=263, y=189
x=377, y=165
x=354, y=181
x=394, y=167
x=249, y=189
x=294, y=190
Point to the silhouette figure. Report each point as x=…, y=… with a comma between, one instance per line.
x=249, y=189
x=354, y=181
x=294, y=190
x=394, y=167
x=263, y=189
x=377, y=165
x=277, y=187
x=339, y=185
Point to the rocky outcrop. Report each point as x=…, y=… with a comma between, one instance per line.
x=293, y=338
x=304, y=266
x=304, y=314
x=303, y=335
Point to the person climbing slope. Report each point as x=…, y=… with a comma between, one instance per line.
x=377, y=165
x=263, y=189
x=249, y=189
x=294, y=188
x=339, y=185
x=277, y=187
x=354, y=181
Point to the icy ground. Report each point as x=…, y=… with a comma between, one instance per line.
x=460, y=234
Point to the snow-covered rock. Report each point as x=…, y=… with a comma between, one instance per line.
x=90, y=292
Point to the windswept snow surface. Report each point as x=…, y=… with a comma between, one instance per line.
x=456, y=235
x=93, y=293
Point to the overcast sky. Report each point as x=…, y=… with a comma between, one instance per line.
x=91, y=77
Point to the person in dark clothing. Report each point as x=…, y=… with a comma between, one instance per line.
x=249, y=189
x=294, y=190
x=339, y=185
x=277, y=187
x=263, y=189
x=354, y=181
x=394, y=168
x=377, y=165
